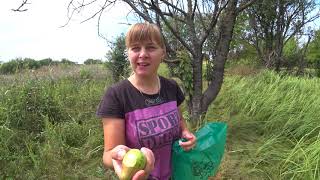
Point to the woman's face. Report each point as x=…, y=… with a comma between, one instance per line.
x=145, y=57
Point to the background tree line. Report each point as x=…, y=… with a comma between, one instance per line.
x=19, y=64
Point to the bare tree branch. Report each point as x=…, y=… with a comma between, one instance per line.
x=214, y=19
x=105, y=5
x=174, y=7
x=194, y=9
x=77, y=8
x=173, y=31
x=136, y=10
x=245, y=5
x=19, y=9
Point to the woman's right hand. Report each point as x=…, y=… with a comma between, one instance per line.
x=118, y=153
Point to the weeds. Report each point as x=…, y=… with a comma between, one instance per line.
x=48, y=128
x=285, y=113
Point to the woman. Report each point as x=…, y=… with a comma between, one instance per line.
x=142, y=111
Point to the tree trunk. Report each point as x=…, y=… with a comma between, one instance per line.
x=223, y=45
x=279, y=35
x=268, y=49
x=302, y=62
x=197, y=89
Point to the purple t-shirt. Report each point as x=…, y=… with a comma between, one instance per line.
x=151, y=121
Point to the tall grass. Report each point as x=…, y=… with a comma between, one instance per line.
x=48, y=128
x=283, y=112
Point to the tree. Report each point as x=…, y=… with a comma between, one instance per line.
x=198, y=20
x=117, y=59
x=274, y=23
x=290, y=53
x=313, y=53
x=92, y=61
x=67, y=61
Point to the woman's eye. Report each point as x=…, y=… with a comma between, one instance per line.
x=135, y=48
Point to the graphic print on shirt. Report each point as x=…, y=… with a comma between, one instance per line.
x=155, y=126
x=158, y=131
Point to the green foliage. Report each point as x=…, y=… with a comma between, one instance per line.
x=184, y=72
x=47, y=62
x=274, y=125
x=48, y=129
x=19, y=64
x=92, y=61
x=67, y=62
x=163, y=70
x=85, y=74
x=240, y=48
x=273, y=122
x=29, y=103
x=118, y=63
x=313, y=53
x=12, y=66
x=290, y=48
x=313, y=50
x=31, y=64
x=265, y=16
x=291, y=52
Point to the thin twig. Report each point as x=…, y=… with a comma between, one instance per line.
x=19, y=9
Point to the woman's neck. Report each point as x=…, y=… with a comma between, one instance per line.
x=148, y=85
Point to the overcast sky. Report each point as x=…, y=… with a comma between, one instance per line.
x=36, y=33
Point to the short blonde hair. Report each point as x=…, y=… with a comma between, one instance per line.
x=142, y=32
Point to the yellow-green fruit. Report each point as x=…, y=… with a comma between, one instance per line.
x=133, y=161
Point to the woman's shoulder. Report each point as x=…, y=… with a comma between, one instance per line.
x=168, y=81
x=119, y=86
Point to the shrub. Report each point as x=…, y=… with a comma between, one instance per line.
x=30, y=64
x=47, y=62
x=92, y=61
x=12, y=66
x=19, y=64
x=67, y=62
x=29, y=103
x=118, y=63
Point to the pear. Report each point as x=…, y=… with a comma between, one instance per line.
x=133, y=161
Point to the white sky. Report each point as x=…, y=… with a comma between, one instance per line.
x=36, y=33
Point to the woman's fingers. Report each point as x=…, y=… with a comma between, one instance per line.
x=150, y=159
x=117, y=155
x=140, y=175
x=119, y=151
x=187, y=145
x=190, y=141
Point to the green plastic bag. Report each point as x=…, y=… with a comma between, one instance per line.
x=202, y=161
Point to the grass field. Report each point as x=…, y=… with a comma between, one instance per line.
x=48, y=128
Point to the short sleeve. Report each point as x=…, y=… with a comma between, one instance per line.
x=180, y=95
x=110, y=105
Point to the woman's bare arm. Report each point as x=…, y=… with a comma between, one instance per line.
x=114, y=135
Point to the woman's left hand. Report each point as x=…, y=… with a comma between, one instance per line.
x=190, y=140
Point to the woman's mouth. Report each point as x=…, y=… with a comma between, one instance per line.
x=144, y=64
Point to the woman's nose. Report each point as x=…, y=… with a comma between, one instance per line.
x=143, y=52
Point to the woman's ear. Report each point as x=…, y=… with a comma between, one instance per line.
x=163, y=55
